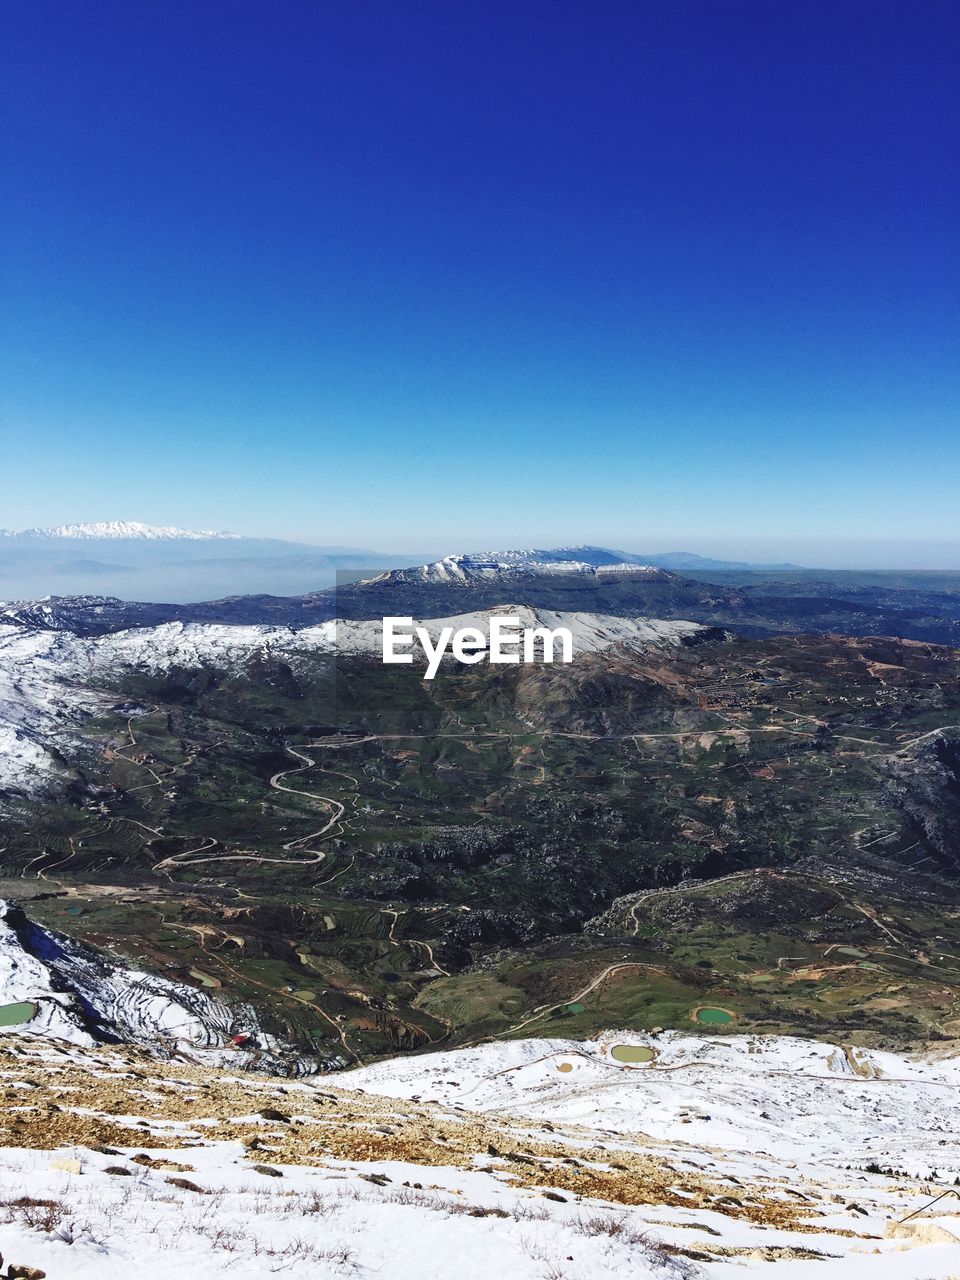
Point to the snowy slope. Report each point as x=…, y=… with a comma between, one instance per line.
x=591, y=632
x=43, y=701
x=171, y=1171
x=82, y=997
x=741, y=1093
x=52, y=681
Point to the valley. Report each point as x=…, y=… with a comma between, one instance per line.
x=382, y=864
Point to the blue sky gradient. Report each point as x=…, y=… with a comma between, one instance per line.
x=431, y=275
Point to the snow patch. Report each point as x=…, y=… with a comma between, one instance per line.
x=748, y=1094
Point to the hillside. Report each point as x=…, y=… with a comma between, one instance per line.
x=549, y=1159
x=923, y=607
x=377, y=863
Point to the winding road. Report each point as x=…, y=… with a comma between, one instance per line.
x=333, y=826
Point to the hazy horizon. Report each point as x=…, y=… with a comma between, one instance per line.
x=808, y=553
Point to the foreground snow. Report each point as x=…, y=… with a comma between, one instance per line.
x=316, y=1222
x=222, y=1177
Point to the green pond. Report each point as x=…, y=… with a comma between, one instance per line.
x=632, y=1053
x=575, y=1008
x=714, y=1016
x=11, y=1015
x=203, y=977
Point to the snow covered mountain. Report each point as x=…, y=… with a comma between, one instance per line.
x=583, y=560
x=52, y=681
x=124, y=529
x=479, y=567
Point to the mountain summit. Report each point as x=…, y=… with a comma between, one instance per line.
x=587, y=562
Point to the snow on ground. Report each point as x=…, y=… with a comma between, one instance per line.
x=749, y=1094
x=332, y=1222
x=234, y=1188
x=317, y=1222
x=51, y=682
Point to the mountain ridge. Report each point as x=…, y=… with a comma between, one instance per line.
x=845, y=604
x=103, y=530
x=146, y=562
x=588, y=553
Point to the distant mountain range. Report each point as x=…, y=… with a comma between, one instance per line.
x=580, y=560
x=137, y=561
x=120, y=529
x=161, y=562
x=917, y=607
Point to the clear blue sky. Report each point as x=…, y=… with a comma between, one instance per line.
x=429, y=275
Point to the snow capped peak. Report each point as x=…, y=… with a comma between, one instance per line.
x=125, y=529
x=467, y=569
x=483, y=566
